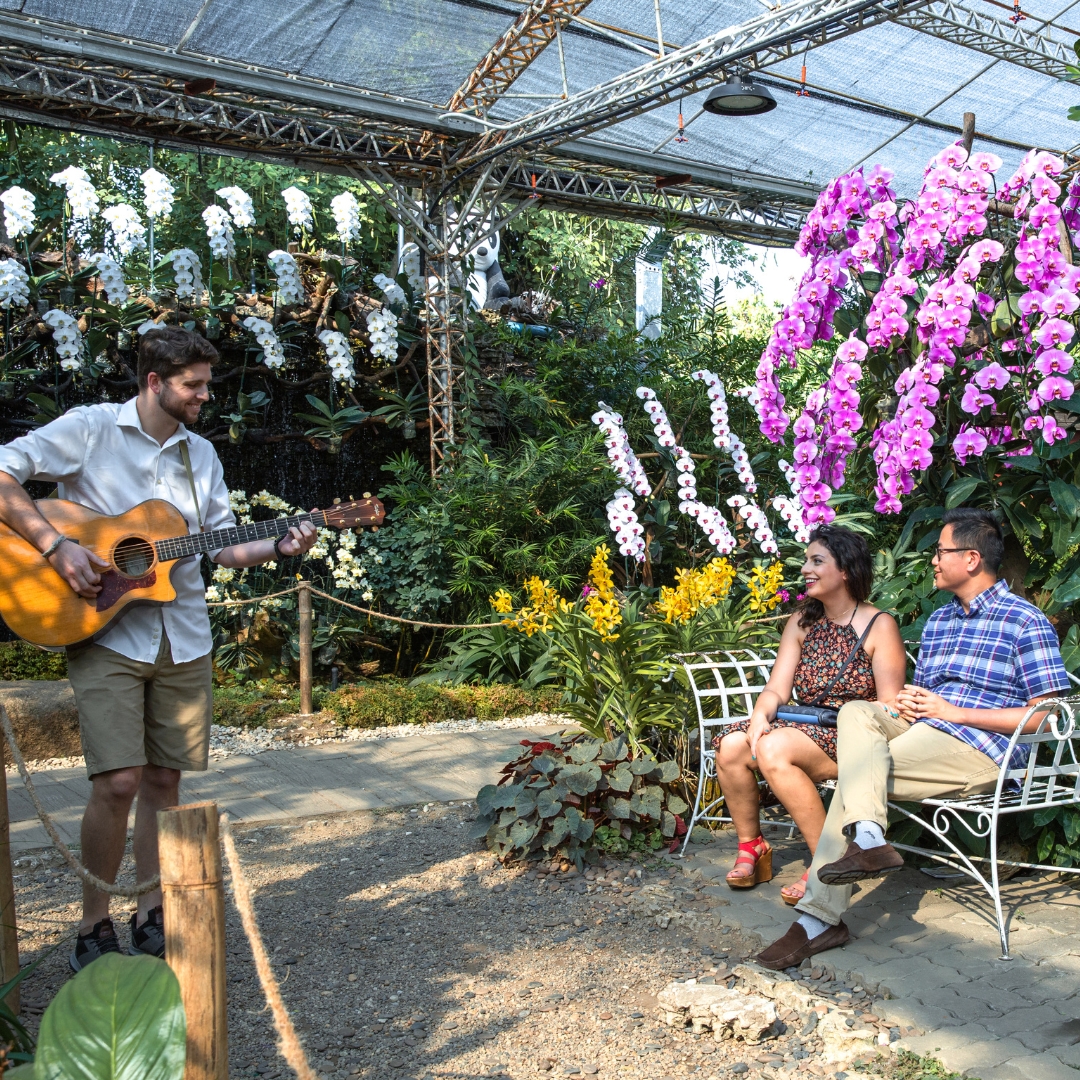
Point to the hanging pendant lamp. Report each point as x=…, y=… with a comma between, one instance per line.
x=739, y=96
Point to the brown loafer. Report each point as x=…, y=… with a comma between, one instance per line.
x=794, y=947
x=858, y=864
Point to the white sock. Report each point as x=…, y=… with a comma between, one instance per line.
x=868, y=834
x=813, y=926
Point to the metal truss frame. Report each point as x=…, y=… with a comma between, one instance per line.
x=530, y=33
x=1033, y=48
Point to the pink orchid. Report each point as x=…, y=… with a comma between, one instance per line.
x=968, y=443
x=992, y=377
x=1054, y=332
x=1053, y=362
x=974, y=400
x=1055, y=388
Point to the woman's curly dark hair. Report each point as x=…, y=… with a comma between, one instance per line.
x=852, y=556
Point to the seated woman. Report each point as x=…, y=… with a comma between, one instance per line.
x=795, y=757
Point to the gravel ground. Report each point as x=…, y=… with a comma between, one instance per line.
x=290, y=731
x=406, y=951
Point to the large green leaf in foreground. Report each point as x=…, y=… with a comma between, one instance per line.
x=121, y=1018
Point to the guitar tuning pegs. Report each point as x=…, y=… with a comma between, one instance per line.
x=367, y=494
x=337, y=502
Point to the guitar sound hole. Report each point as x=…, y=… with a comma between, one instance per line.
x=133, y=556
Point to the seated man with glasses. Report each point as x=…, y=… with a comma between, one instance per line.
x=986, y=657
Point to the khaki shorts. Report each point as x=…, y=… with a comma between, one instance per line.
x=132, y=713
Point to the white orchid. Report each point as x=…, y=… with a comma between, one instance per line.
x=81, y=194
x=290, y=285
x=158, y=194
x=273, y=355
x=128, y=232
x=298, y=209
x=18, y=212
x=410, y=267
x=382, y=330
x=187, y=271
x=346, y=211
x=112, y=278
x=66, y=337
x=240, y=206
x=394, y=293
x=147, y=326
x=338, y=355
x=219, y=230
x=14, y=284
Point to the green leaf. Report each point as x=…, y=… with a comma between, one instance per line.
x=21, y=1072
x=480, y=828
x=1066, y=497
x=547, y=805
x=1071, y=821
x=1070, y=652
x=546, y=764
x=560, y=830
x=585, y=751
x=525, y=803
x=676, y=805
x=615, y=750
x=581, y=828
x=618, y=809
x=960, y=489
x=667, y=824
x=1046, y=845
x=646, y=804
x=485, y=799
x=1047, y=814
x=642, y=766
x=581, y=781
x=522, y=833
x=121, y=1018
x=666, y=772
x=620, y=778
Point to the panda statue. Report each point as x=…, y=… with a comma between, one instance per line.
x=486, y=283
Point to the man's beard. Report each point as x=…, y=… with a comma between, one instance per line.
x=170, y=404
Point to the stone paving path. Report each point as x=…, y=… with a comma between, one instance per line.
x=301, y=782
x=932, y=947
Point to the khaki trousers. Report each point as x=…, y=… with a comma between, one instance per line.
x=881, y=757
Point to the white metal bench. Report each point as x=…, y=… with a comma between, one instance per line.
x=724, y=686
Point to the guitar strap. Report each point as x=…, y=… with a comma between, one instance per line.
x=191, y=480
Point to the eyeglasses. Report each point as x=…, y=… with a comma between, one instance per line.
x=939, y=550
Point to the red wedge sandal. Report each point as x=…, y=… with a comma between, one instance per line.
x=758, y=855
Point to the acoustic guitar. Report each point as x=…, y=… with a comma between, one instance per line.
x=39, y=606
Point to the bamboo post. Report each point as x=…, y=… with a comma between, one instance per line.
x=305, y=648
x=968, y=136
x=9, y=930
x=194, y=902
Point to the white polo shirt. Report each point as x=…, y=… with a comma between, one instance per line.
x=101, y=457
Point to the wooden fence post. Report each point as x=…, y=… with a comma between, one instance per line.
x=9, y=930
x=305, y=648
x=194, y=902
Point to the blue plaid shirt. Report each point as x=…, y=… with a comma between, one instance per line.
x=999, y=654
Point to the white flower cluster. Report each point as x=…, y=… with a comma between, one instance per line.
x=273, y=355
x=240, y=206
x=148, y=325
x=382, y=330
x=18, y=212
x=187, y=271
x=347, y=570
x=66, y=336
x=717, y=407
x=623, y=522
x=623, y=459
x=289, y=283
x=710, y=520
x=741, y=460
x=791, y=509
x=298, y=209
x=346, y=211
x=410, y=267
x=219, y=231
x=112, y=278
x=158, y=194
x=755, y=518
x=128, y=232
x=338, y=355
x=393, y=292
x=81, y=194
x=14, y=284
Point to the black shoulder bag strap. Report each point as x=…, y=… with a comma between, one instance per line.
x=821, y=695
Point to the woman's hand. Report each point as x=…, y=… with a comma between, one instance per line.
x=759, y=725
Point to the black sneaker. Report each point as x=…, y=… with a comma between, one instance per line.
x=88, y=947
x=150, y=937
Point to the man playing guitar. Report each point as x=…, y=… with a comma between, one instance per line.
x=144, y=687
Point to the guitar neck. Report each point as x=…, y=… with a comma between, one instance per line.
x=179, y=547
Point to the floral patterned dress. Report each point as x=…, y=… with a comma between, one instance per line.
x=825, y=648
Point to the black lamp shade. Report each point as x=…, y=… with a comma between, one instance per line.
x=739, y=96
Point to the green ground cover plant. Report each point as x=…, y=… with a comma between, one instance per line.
x=19, y=660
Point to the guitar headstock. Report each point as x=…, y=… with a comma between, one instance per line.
x=355, y=512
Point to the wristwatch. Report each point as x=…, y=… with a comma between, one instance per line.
x=277, y=550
